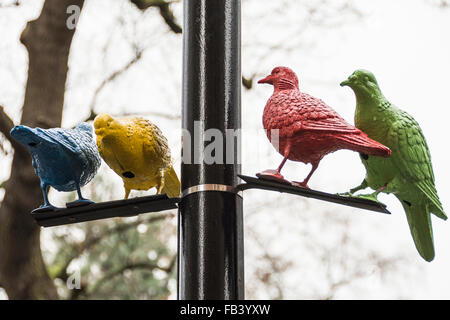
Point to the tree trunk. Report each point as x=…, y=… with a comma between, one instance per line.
x=22, y=270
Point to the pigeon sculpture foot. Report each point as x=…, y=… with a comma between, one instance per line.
x=273, y=175
x=370, y=196
x=45, y=208
x=300, y=184
x=345, y=194
x=79, y=203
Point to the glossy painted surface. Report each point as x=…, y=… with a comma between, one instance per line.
x=65, y=159
x=136, y=150
x=305, y=128
x=287, y=187
x=408, y=172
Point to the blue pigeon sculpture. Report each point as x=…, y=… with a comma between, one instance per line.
x=65, y=159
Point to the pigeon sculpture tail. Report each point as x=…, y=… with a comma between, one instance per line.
x=65, y=159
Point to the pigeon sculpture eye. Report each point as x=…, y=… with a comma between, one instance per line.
x=128, y=174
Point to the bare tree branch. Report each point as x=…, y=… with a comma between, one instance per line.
x=156, y=114
x=113, y=76
x=248, y=82
x=127, y=266
x=168, y=16
x=3, y=184
x=15, y=3
x=164, y=10
x=443, y=4
x=89, y=243
x=274, y=266
x=6, y=124
x=147, y=114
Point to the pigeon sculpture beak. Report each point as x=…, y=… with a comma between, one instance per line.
x=268, y=79
x=350, y=81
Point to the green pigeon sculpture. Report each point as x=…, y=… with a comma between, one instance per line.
x=407, y=173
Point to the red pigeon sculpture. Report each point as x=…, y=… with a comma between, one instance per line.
x=303, y=128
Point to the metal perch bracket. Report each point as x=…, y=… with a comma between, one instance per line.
x=161, y=202
x=104, y=210
x=286, y=187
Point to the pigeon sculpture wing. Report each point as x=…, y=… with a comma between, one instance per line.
x=65, y=159
x=408, y=173
x=413, y=161
x=138, y=152
x=303, y=128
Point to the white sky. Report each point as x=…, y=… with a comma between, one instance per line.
x=404, y=43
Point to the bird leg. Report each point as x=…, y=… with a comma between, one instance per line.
x=47, y=206
x=127, y=192
x=275, y=174
x=373, y=196
x=45, y=188
x=282, y=163
x=80, y=196
x=160, y=185
x=304, y=184
x=363, y=185
x=81, y=201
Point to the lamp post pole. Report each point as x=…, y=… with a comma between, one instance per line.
x=210, y=228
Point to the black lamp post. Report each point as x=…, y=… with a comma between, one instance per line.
x=210, y=235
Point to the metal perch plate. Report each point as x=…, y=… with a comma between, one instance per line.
x=103, y=210
x=258, y=183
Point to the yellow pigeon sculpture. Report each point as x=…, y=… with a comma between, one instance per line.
x=138, y=152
